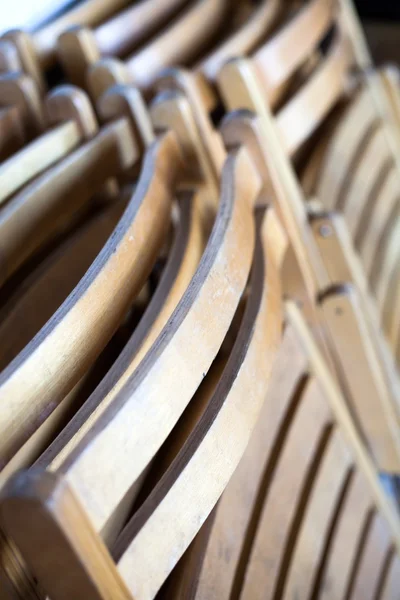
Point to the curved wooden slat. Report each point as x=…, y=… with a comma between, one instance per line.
x=391, y=586
x=338, y=573
x=44, y=290
x=54, y=361
x=298, y=119
x=383, y=216
x=230, y=415
x=275, y=62
x=242, y=41
x=182, y=263
x=278, y=524
x=213, y=570
x=219, y=282
x=42, y=208
x=90, y=13
x=377, y=544
x=72, y=106
x=319, y=519
x=234, y=223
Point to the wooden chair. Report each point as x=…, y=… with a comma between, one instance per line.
x=250, y=85
x=41, y=379
x=43, y=290
x=242, y=42
x=303, y=515
x=261, y=325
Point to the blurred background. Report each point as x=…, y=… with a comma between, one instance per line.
x=381, y=20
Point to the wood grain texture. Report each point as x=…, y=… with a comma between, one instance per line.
x=244, y=40
x=34, y=383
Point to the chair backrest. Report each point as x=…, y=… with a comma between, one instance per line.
x=246, y=85
x=79, y=47
x=229, y=416
x=244, y=40
x=302, y=516
x=89, y=13
x=358, y=176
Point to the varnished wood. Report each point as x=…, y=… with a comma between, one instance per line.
x=44, y=290
x=155, y=186
x=64, y=104
x=294, y=523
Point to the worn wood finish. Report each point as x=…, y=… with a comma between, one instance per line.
x=232, y=229
x=294, y=523
x=235, y=394
x=23, y=117
x=33, y=384
x=78, y=47
x=182, y=263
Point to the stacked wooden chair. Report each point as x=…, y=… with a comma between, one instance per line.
x=199, y=305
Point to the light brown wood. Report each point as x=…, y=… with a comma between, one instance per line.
x=79, y=47
x=218, y=420
x=240, y=86
x=179, y=43
x=64, y=104
x=44, y=290
x=295, y=523
x=233, y=223
x=34, y=381
x=373, y=556
x=182, y=263
x=27, y=57
x=244, y=40
x=237, y=226
x=89, y=13
x=19, y=91
x=39, y=210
